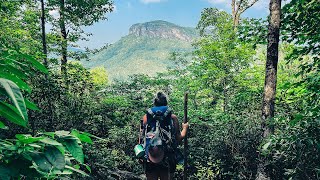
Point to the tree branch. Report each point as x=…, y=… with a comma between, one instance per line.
x=238, y=7
x=247, y=7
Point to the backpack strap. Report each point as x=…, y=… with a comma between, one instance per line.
x=149, y=111
x=168, y=111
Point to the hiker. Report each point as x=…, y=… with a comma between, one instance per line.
x=160, y=135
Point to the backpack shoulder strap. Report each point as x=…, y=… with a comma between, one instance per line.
x=149, y=114
x=149, y=111
x=168, y=112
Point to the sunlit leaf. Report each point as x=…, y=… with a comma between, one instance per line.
x=25, y=138
x=11, y=113
x=15, y=95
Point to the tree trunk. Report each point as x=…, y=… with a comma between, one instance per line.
x=236, y=20
x=64, y=43
x=233, y=9
x=236, y=12
x=269, y=94
x=225, y=93
x=271, y=66
x=44, y=42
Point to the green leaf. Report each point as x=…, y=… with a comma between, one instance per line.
x=50, y=141
x=15, y=95
x=75, y=149
x=265, y=146
x=55, y=157
x=64, y=172
x=62, y=149
x=2, y=126
x=11, y=113
x=41, y=161
x=26, y=138
x=297, y=118
x=76, y=170
x=20, y=83
x=34, y=145
x=62, y=133
x=9, y=68
x=36, y=63
x=84, y=137
x=87, y=167
x=51, y=134
x=55, y=143
x=31, y=105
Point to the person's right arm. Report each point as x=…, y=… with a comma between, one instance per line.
x=185, y=126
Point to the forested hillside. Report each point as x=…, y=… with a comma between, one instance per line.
x=253, y=88
x=146, y=50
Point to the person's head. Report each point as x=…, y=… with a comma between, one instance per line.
x=160, y=99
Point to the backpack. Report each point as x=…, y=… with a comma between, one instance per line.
x=159, y=131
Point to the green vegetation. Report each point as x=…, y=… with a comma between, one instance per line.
x=143, y=54
x=75, y=124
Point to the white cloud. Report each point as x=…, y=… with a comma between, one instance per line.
x=151, y=1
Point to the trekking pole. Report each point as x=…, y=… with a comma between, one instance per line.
x=185, y=120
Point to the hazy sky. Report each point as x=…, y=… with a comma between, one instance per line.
x=180, y=12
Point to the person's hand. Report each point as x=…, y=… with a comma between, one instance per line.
x=185, y=125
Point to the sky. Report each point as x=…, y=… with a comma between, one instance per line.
x=181, y=12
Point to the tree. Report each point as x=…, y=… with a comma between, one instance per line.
x=271, y=66
x=43, y=33
x=220, y=53
x=300, y=19
x=269, y=93
x=238, y=7
x=99, y=76
x=73, y=15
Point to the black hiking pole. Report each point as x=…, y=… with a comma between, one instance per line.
x=185, y=149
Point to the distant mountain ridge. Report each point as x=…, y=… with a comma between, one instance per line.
x=146, y=49
x=163, y=29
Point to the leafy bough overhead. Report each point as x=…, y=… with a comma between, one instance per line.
x=49, y=154
x=15, y=67
x=17, y=113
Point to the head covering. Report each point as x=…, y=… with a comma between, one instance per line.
x=156, y=154
x=160, y=99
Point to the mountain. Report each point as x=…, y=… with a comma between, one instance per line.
x=146, y=49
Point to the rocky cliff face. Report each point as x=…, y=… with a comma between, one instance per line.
x=162, y=29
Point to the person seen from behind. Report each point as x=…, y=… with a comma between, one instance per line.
x=159, y=138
